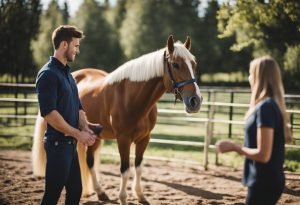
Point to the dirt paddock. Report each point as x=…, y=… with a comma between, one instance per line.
x=164, y=183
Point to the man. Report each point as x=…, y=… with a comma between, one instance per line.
x=66, y=122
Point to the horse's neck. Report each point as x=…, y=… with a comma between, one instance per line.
x=146, y=94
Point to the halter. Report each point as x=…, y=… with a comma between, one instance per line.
x=176, y=85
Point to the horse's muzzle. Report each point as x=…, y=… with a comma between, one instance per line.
x=192, y=103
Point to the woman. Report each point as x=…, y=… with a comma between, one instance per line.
x=266, y=132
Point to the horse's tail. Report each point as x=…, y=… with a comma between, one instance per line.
x=38, y=151
x=86, y=175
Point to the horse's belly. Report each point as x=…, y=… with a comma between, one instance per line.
x=107, y=134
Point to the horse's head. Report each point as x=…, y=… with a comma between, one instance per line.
x=179, y=74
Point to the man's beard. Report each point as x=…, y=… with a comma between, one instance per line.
x=68, y=56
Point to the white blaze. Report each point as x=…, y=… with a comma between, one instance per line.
x=189, y=65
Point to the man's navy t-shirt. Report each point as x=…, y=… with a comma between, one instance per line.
x=266, y=114
x=57, y=90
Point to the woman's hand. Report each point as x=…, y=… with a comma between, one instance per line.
x=224, y=146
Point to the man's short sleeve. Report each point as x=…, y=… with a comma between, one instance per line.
x=46, y=88
x=266, y=115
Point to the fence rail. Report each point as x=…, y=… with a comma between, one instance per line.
x=23, y=103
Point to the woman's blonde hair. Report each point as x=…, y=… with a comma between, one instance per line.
x=267, y=82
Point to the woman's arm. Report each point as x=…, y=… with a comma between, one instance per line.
x=264, y=146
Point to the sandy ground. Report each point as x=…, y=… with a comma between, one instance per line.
x=164, y=183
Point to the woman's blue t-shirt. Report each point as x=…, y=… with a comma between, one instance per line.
x=266, y=114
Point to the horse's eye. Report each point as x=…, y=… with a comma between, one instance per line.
x=175, y=65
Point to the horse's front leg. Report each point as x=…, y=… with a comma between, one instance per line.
x=124, y=150
x=136, y=185
x=90, y=159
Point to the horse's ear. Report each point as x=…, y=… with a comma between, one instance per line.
x=188, y=43
x=170, y=44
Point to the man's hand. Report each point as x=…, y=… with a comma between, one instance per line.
x=87, y=129
x=85, y=125
x=86, y=138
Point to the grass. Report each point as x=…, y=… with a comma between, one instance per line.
x=18, y=142
x=225, y=77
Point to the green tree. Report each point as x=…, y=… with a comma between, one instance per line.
x=100, y=48
x=53, y=17
x=130, y=28
x=215, y=54
x=269, y=27
x=66, y=14
x=19, y=20
x=119, y=14
x=210, y=49
x=292, y=65
x=147, y=24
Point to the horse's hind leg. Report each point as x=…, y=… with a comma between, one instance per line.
x=124, y=150
x=136, y=185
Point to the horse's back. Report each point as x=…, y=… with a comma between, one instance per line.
x=88, y=75
x=90, y=84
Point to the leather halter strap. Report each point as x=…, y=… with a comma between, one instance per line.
x=176, y=85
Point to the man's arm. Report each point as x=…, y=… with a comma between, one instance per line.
x=82, y=120
x=57, y=121
x=85, y=125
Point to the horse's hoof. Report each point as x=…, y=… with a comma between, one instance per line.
x=103, y=197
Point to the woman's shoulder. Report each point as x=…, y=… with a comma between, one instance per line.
x=267, y=104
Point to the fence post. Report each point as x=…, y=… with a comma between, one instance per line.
x=208, y=95
x=230, y=113
x=292, y=122
x=25, y=109
x=209, y=129
x=16, y=103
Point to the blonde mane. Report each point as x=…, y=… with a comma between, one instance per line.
x=147, y=66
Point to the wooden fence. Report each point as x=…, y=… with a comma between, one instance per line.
x=21, y=97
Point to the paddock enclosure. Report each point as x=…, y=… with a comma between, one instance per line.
x=178, y=180
x=172, y=183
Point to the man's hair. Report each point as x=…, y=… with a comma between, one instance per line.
x=65, y=33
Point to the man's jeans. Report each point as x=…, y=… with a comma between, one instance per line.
x=62, y=170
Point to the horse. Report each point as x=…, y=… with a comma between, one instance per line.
x=124, y=103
